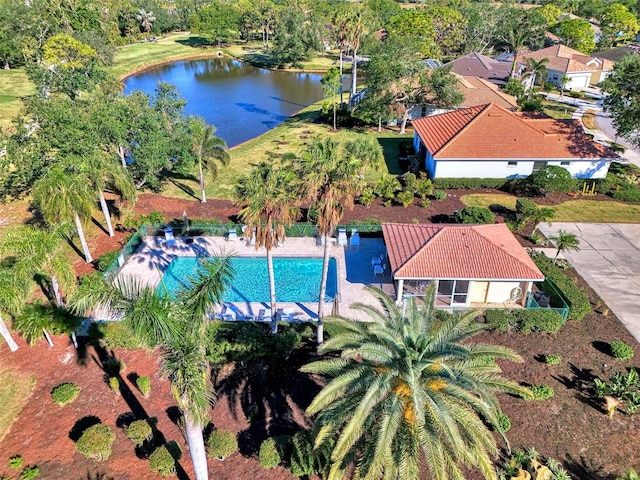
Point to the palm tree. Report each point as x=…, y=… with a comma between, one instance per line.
x=564, y=79
x=13, y=295
x=178, y=327
x=104, y=173
x=630, y=474
x=565, y=242
x=63, y=195
x=406, y=387
x=267, y=200
x=356, y=28
x=541, y=214
x=208, y=149
x=332, y=178
x=536, y=69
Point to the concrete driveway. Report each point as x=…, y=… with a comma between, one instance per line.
x=609, y=260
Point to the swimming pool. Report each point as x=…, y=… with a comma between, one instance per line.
x=297, y=278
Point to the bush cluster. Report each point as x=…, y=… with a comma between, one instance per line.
x=524, y=320
x=621, y=350
x=475, y=215
x=163, y=459
x=575, y=296
x=552, y=358
x=471, y=183
x=549, y=179
x=144, y=385
x=269, y=456
x=106, y=259
x=542, y=392
x=622, y=386
x=627, y=193
x=96, y=441
x=30, y=472
x=140, y=431
x=16, y=462
x=221, y=444
x=65, y=393
x=112, y=335
x=504, y=422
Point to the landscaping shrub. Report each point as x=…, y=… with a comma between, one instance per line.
x=504, y=422
x=16, y=462
x=474, y=215
x=106, y=259
x=621, y=350
x=144, y=385
x=623, y=387
x=405, y=198
x=470, y=183
x=30, y=472
x=627, y=193
x=269, y=457
x=114, y=383
x=302, y=455
x=525, y=208
x=162, y=460
x=221, y=444
x=524, y=320
x=112, y=335
x=96, y=441
x=424, y=187
x=575, y=296
x=552, y=359
x=65, y=393
x=139, y=431
x=367, y=197
x=549, y=179
x=440, y=194
x=574, y=94
x=386, y=189
x=542, y=392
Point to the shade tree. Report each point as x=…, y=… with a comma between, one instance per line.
x=623, y=99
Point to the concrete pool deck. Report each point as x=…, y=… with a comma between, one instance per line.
x=354, y=269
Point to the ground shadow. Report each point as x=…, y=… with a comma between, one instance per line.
x=82, y=425
x=602, y=347
x=96, y=476
x=584, y=470
x=581, y=380
x=99, y=225
x=195, y=42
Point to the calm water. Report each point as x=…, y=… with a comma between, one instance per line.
x=297, y=279
x=241, y=100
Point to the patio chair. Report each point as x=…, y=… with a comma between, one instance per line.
x=169, y=239
x=354, y=241
x=379, y=270
x=232, y=235
x=342, y=237
x=262, y=316
x=284, y=316
x=377, y=260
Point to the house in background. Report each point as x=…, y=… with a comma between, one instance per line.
x=481, y=66
x=492, y=142
x=580, y=70
x=472, y=265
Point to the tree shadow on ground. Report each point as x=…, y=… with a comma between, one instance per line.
x=196, y=42
x=96, y=476
x=585, y=470
x=602, y=347
x=581, y=380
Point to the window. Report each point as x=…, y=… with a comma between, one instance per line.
x=512, y=163
x=565, y=163
x=452, y=292
x=537, y=166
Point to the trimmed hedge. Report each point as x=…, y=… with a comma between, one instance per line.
x=65, y=393
x=621, y=350
x=112, y=335
x=162, y=462
x=221, y=444
x=575, y=296
x=524, y=320
x=471, y=183
x=626, y=194
x=140, y=431
x=96, y=441
x=269, y=456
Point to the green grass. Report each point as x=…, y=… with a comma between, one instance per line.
x=558, y=110
x=14, y=85
x=255, y=53
x=15, y=390
x=590, y=211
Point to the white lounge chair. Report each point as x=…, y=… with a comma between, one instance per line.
x=169, y=239
x=354, y=241
x=342, y=237
x=232, y=236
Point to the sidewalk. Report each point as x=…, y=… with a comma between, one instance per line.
x=599, y=136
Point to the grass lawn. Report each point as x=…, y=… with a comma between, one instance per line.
x=558, y=110
x=571, y=211
x=15, y=390
x=14, y=85
x=256, y=54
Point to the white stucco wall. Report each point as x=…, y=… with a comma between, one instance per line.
x=500, y=169
x=578, y=81
x=500, y=292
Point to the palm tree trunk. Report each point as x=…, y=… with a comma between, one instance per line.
x=272, y=291
x=85, y=247
x=340, y=60
x=323, y=289
x=57, y=295
x=204, y=195
x=105, y=212
x=196, y=448
x=353, y=74
x=334, y=116
x=48, y=337
x=121, y=155
x=379, y=123
x=6, y=334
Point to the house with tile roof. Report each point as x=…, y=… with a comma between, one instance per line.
x=472, y=265
x=489, y=141
x=478, y=65
x=580, y=69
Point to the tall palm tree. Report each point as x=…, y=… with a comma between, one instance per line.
x=208, y=149
x=565, y=242
x=356, y=28
x=63, y=195
x=407, y=387
x=178, y=327
x=536, y=70
x=104, y=173
x=268, y=205
x=13, y=295
x=333, y=176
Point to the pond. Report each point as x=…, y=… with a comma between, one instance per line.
x=240, y=100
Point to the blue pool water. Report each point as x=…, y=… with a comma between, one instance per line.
x=297, y=279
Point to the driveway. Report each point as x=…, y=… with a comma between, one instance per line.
x=609, y=261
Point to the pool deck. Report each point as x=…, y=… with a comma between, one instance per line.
x=355, y=272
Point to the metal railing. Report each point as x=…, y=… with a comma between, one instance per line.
x=560, y=304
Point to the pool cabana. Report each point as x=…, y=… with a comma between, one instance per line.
x=472, y=265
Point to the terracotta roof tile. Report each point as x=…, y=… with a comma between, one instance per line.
x=565, y=59
x=477, y=65
x=437, y=251
x=491, y=131
x=477, y=92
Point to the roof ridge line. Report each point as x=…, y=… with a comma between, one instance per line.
x=484, y=237
x=465, y=127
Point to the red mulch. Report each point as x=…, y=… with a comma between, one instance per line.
x=571, y=427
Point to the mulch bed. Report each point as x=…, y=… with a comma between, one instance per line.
x=571, y=427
